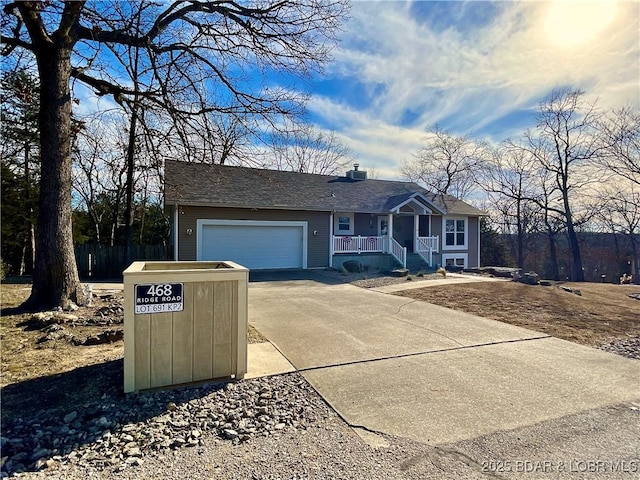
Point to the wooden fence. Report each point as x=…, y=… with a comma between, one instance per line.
x=105, y=262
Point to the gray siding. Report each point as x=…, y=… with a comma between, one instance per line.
x=474, y=248
x=366, y=225
x=436, y=227
x=317, y=245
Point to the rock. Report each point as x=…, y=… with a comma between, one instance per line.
x=179, y=441
x=108, y=336
x=545, y=283
x=627, y=347
x=233, y=412
x=399, y=272
x=635, y=296
x=40, y=454
x=571, y=290
x=70, y=417
x=529, y=278
x=40, y=320
x=65, y=317
x=230, y=434
x=71, y=307
x=501, y=272
x=132, y=452
x=353, y=266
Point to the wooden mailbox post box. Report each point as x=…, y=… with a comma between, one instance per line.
x=184, y=322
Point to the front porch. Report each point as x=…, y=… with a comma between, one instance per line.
x=394, y=234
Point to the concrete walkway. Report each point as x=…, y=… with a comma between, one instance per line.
x=450, y=279
x=416, y=370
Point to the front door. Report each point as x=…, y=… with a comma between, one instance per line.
x=383, y=226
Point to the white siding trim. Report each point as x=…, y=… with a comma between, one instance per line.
x=253, y=223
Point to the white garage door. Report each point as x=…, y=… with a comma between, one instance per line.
x=256, y=245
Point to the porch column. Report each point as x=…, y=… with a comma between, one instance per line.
x=416, y=232
x=389, y=231
x=331, y=240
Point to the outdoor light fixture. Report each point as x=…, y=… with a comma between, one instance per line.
x=189, y=231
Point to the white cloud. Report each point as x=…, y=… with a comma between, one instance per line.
x=466, y=77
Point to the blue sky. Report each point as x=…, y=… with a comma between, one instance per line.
x=472, y=67
x=477, y=68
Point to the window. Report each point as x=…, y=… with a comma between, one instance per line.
x=343, y=224
x=458, y=260
x=454, y=262
x=455, y=232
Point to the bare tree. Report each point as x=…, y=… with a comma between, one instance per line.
x=509, y=180
x=619, y=210
x=620, y=137
x=446, y=164
x=305, y=148
x=187, y=49
x=565, y=144
x=99, y=174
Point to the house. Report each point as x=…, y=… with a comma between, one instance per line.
x=268, y=219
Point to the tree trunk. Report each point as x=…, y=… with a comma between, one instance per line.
x=520, y=236
x=574, y=245
x=128, y=209
x=553, y=257
x=578, y=271
x=55, y=276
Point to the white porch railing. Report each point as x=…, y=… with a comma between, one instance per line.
x=358, y=244
x=425, y=246
x=427, y=243
x=399, y=252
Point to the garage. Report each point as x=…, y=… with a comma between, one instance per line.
x=254, y=244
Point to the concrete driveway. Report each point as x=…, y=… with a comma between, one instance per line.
x=416, y=370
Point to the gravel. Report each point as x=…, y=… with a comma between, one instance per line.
x=627, y=347
x=274, y=427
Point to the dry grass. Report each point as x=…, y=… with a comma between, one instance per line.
x=603, y=312
x=23, y=358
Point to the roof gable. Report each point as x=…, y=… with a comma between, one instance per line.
x=189, y=183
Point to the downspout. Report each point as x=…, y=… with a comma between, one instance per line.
x=175, y=232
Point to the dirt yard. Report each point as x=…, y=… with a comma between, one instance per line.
x=38, y=345
x=602, y=313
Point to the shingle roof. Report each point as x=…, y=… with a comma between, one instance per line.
x=189, y=183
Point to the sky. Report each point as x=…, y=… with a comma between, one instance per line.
x=471, y=67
